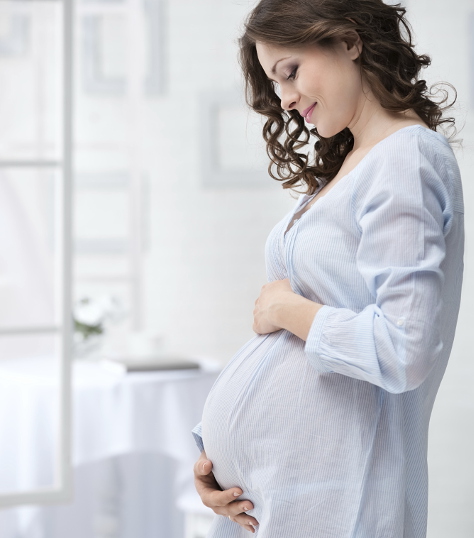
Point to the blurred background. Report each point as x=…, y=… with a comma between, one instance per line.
x=169, y=208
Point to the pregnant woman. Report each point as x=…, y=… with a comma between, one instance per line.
x=318, y=426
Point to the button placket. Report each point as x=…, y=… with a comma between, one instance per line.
x=289, y=246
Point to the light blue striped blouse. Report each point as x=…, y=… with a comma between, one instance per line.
x=328, y=438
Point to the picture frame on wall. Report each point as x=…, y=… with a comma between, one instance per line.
x=96, y=62
x=106, y=39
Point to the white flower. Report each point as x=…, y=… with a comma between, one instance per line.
x=88, y=312
x=92, y=312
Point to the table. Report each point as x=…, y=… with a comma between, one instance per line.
x=133, y=451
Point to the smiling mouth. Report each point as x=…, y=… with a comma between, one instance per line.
x=308, y=112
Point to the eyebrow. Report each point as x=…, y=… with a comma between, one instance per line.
x=276, y=63
x=274, y=67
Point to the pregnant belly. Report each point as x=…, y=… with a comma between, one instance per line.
x=296, y=441
x=271, y=416
x=257, y=393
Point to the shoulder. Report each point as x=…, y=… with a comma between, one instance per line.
x=411, y=167
x=410, y=146
x=409, y=153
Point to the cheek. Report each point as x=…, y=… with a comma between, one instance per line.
x=313, y=89
x=345, y=90
x=342, y=81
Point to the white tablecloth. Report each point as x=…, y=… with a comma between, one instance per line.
x=131, y=434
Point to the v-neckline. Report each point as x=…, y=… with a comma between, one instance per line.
x=304, y=202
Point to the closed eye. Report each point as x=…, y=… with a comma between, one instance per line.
x=292, y=74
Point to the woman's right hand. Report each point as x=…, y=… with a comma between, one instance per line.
x=223, y=502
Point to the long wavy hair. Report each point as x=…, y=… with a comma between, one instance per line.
x=388, y=63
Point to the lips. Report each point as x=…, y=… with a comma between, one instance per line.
x=307, y=112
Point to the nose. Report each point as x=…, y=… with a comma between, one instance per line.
x=289, y=99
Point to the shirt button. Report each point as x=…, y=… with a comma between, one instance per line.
x=400, y=322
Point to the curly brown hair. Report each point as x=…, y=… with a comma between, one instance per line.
x=388, y=62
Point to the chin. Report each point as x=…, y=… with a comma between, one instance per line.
x=324, y=132
x=328, y=132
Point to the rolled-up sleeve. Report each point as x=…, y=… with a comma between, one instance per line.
x=403, y=211
x=197, y=434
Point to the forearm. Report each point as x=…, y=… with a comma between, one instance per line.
x=295, y=314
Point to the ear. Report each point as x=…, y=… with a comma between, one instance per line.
x=354, y=45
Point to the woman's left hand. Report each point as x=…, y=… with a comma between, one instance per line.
x=272, y=295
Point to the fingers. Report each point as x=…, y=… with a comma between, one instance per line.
x=247, y=522
x=202, y=466
x=225, y=502
x=238, y=509
x=220, y=501
x=236, y=512
x=209, y=490
x=203, y=476
x=206, y=467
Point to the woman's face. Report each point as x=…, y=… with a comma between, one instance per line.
x=309, y=75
